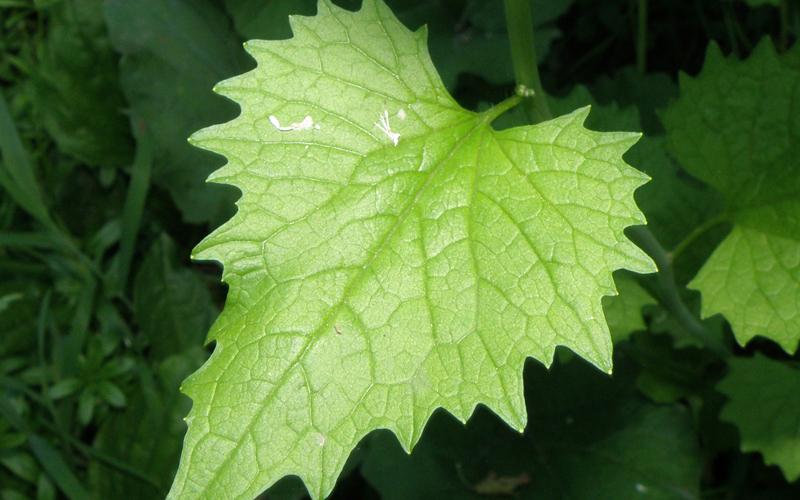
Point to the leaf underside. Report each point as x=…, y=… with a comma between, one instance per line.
x=391, y=254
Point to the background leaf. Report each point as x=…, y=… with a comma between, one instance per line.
x=172, y=55
x=763, y=405
x=630, y=450
x=744, y=142
x=624, y=311
x=172, y=304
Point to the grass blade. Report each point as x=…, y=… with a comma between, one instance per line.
x=11, y=239
x=134, y=202
x=58, y=470
x=16, y=171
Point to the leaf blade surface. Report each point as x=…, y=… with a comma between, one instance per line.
x=392, y=254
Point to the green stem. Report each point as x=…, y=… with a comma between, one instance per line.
x=669, y=294
x=696, y=233
x=641, y=37
x=498, y=109
x=519, y=20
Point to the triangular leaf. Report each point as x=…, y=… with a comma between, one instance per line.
x=392, y=254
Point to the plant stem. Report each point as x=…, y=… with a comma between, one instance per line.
x=696, y=233
x=519, y=20
x=498, y=109
x=670, y=296
x=641, y=37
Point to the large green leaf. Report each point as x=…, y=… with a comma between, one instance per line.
x=588, y=437
x=392, y=254
x=763, y=404
x=173, y=52
x=736, y=126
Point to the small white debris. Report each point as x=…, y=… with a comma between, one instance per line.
x=523, y=91
x=641, y=488
x=320, y=439
x=306, y=124
x=401, y=113
x=383, y=126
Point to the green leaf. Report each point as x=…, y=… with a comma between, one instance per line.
x=624, y=311
x=172, y=304
x=172, y=54
x=56, y=466
x=763, y=404
x=736, y=126
x=674, y=202
x=21, y=464
x=629, y=450
x=111, y=393
x=86, y=404
x=17, y=176
x=45, y=489
x=669, y=373
x=64, y=388
x=76, y=85
x=392, y=254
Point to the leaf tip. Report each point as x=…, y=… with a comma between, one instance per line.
x=582, y=113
